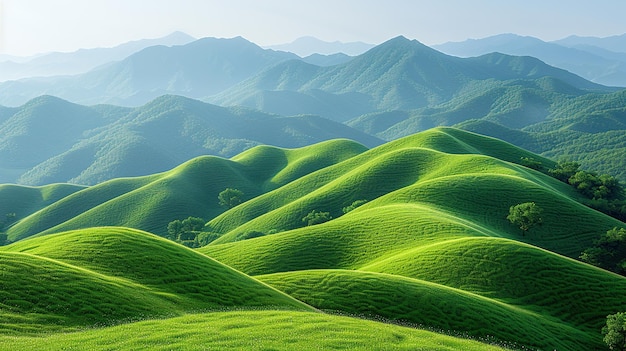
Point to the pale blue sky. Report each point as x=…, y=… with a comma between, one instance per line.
x=35, y=26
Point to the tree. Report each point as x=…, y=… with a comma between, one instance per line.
x=354, y=205
x=615, y=331
x=230, y=197
x=531, y=163
x=316, y=217
x=525, y=215
x=185, y=230
x=608, y=252
x=564, y=170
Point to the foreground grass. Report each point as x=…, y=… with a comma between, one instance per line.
x=433, y=305
x=248, y=330
x=104, y=276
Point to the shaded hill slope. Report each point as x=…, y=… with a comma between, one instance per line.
x=50, y=140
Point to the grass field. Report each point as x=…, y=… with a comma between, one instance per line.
x=430, y=247
x=101, y=276
x=248, y=330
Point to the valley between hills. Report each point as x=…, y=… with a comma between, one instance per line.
x=372, y=204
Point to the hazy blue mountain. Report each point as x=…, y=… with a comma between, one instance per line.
x=49, y=140
x=615, y=43
x=198, y=69
x=399, y=74
x=596, y=65
x=327, y=60
x=81, y=61
x=306, y=46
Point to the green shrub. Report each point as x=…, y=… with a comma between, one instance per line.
x=354, y=205
x=316, y=217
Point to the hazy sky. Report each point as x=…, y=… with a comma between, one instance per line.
x=35, y=26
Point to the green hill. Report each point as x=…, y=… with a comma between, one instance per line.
x=102, y=276
x=421, y=203
x=429, y=247
x=151, y=202
x=17, y=202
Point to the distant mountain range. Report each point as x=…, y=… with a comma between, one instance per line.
x=399, y=74
x=49, y=140
x=600, y=60
x=306, y=46
x=198, y=69
x=615, y=43
x=394, y=89
x=81, y=61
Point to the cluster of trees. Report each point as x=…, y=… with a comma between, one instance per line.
x=190, y=232
x=605, y=193
x=194, y=232
x=317, y=217
x=608, y=252
x=614, y=331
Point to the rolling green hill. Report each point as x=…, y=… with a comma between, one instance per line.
x=430, y=247
x=103, y=276
x=175, y=194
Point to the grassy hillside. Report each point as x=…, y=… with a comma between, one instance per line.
x=430, y=246
x=422, y=203
x=151, y=202
x=426, y=303
x=23, y=201
x=252, y=330
x=101, y=276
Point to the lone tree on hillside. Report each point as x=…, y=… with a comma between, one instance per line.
x=525, y=215
x=230, y=197
x=615, y=331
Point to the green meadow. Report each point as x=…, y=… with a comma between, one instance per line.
x=427, y=261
